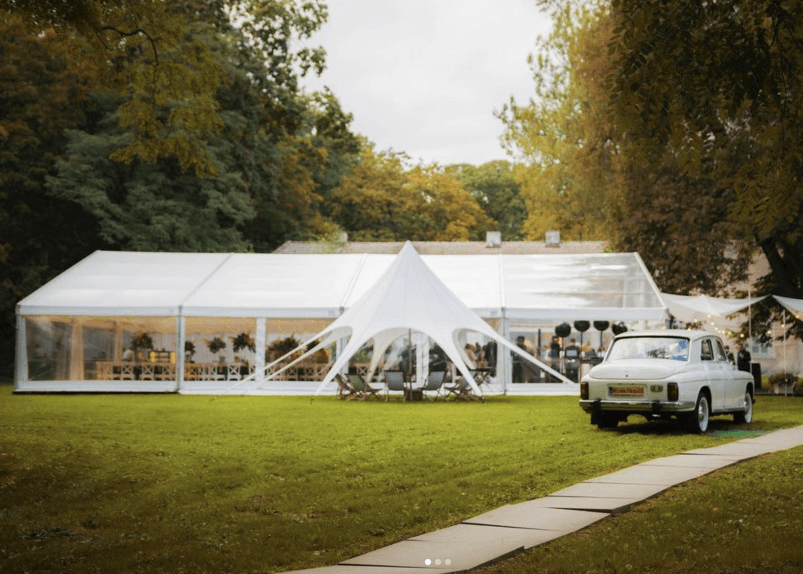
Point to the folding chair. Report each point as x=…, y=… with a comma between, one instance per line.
x=344, y=389
x=434, y=383
x=461, y=389
x=362, y=389
x=394, y=381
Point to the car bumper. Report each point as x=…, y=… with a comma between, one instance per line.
x=636, y=406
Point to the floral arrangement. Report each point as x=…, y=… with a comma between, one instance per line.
x=243, y=341
x=142, y=341
x=216, y=344
x=281, y=347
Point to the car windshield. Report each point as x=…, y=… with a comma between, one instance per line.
x=673, y=348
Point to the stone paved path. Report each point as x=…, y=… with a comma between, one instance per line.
x=510, y=529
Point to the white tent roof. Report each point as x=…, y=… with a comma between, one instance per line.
x=408, y=296
x=702, y=307
x=604, y=286
x=124, y=283
x=794, y=306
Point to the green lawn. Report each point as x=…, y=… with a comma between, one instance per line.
x=744, y=519
x=113, y=483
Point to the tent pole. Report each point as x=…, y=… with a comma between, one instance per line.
x=21, y=358
x=503, y=357
x=259, y=361
x=180, y=353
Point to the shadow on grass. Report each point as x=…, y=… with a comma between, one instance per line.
x=718, y=427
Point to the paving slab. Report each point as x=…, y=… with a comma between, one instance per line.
x=709, y=461
x=499, y=536
x=537, y=516
x=342, y=569
x=464, y=546
x=604, y=506
x=741, y=449
x=607, y=490
x=652, y=475
x=785, y=438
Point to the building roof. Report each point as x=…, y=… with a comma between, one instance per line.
x=446, y=247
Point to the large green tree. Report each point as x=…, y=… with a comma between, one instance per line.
x=569, y=151
x=383, y=199
x=494, y=187
x=589, y=172
x=148, y=51
x=41, y=96
x=722, y=80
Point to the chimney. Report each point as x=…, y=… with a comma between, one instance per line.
x=493, y=239
x=553, y=238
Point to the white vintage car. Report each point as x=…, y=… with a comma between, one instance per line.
x=662, y=374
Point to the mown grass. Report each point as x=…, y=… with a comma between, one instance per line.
x=744, y=519
x=168, y=483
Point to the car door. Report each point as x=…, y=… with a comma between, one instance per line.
x=734, y=391
x=714, y=370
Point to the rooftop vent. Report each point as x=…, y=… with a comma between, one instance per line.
x=553, y=238
x=493, y=239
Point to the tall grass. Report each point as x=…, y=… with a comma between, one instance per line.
x=107, y=483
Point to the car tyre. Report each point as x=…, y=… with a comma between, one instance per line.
x=746, y=416
x=607, y=420
x=699, y=419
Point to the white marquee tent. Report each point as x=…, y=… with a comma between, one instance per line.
x=72, y=331
x=691, y=308
x=409, y=297
x=794, y=306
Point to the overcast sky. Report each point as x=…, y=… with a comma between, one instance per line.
x=425, y=76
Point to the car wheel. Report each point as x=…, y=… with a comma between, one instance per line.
x=746, y=416
x=698, y=421
x=607, y=420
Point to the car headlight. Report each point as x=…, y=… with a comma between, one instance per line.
x=584, y=390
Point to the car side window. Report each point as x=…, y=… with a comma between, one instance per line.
x=721, y=356
x=706, y=351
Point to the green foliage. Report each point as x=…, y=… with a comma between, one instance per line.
x=721, y=80
x=596, y=174
x=494, y=187
x=40, y=235
x=569, y=149
x=382, y=200
x=153, y=55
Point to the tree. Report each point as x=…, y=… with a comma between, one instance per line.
x=41, y=95
x=150, y=53
x=446, y=211
x=590, y=173
x=370, y=202
x=494, y=187
x=723, y=80
x=568, y=148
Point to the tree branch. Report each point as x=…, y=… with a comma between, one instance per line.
x=134, y=33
